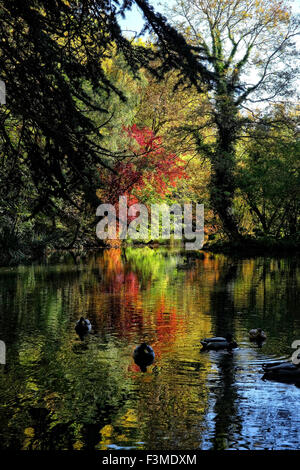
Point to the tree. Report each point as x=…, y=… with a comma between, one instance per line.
x=55, y=125
x=51, y=52
x=146, y=178
x=172, y=111
x=249, y=47
x=61, y=104
x=268, y=175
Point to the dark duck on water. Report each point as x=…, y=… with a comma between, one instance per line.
x=218, y=342
x=83, y=327
x=143, y=356
x=282, y=371
x=257, y=334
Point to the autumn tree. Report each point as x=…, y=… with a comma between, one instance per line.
x=148, y=175
x=55, y=129
x=173, y=111
x=52, y=53
x=249, y=46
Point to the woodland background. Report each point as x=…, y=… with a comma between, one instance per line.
x=201, y=106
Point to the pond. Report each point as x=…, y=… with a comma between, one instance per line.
x=58, y=392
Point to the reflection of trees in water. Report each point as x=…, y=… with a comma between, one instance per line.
x=139, y=282
x=169, y=407
x=226, y=405
x=262, y=290
x=227, y=419
x=63, y=395
x=268, y=291
x=60, y=393
x=80, y=290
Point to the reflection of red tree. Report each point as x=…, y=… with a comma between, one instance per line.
x=132, y=367
x=125, y=303
x=116, y=279
x=167, y=326
x=125, y=311
x=113, y=270
x=208, y=267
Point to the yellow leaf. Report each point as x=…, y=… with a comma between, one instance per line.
x=77, y=445
x=29, y=432
x=107, y=431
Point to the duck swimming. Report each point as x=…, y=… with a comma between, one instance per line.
x=218, y=342
x=257, y=335
x=83, y=327
x=143, y=356
x=282, y=371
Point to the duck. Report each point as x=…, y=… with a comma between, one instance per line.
x=83, y=327
x=218, y=342
x=282, y=370
x=257, y=334
x=143, y=356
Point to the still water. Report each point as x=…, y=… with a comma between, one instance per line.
x=57, y=392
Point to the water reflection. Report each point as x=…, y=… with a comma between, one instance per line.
x=60, y=393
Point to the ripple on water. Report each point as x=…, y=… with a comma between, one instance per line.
x=96, y=396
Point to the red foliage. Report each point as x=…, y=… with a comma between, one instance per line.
x=152, y=165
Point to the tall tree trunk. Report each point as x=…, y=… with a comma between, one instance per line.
x=223, y=165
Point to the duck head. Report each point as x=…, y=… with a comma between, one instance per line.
x=229, y=337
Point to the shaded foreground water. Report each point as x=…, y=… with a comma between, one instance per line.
x=57, y=392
